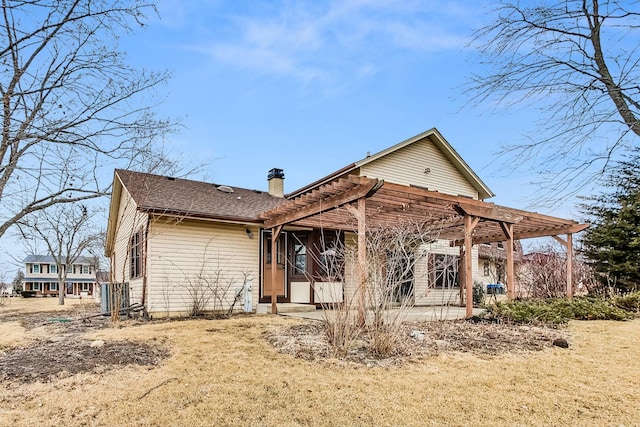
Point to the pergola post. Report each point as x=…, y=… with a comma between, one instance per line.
x=569, y=266
x=470, y=223
x=362, y=260
x=461, y=275
x=275, y=235
x=568, y=245
x=507, y=228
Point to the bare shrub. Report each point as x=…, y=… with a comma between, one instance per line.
x=384, y=285
x=392, y=254
x=543, y=274
x=340, y=324
x=211, y=288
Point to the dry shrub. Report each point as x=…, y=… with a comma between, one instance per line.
x=379, y=294
x=543, y=274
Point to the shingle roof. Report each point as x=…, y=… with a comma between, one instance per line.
x=162, y=194
x=494, y=251
x=51, y=259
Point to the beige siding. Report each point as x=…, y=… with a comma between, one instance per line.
x=185, y=258
x=350, y=268
x=407, y=166
x=128, y=222
x=424, y=292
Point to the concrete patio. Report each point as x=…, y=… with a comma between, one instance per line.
x=428, y=313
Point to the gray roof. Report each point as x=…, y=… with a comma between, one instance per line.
x=168, y=195
x=49, y=259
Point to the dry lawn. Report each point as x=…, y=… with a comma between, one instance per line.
x=225, y=372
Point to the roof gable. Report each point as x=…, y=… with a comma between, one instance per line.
x=393, y=154
x=454, y=163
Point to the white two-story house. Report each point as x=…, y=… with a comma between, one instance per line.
x=41, y=276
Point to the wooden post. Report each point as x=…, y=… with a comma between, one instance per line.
x=569, y=266
x=362, y=260
x=468, y=282
x=461, y=275
x=508, y=231
x=275, y=235
x=568, y=245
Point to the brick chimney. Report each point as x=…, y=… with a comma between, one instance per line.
x=276, y=182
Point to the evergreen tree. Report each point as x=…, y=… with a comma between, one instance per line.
x=612, y=243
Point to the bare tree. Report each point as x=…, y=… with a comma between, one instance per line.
x=70, y=103
x=66, y=232
x=578, y=61
x=17, y=280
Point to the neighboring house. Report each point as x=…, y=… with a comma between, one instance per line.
x=174, y=240
x=41, y=276
x=492, y=263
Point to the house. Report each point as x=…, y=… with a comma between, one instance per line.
x=41, y=276
x=492, y=263
x=181, y=244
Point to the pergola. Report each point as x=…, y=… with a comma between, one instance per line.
x=375, y=203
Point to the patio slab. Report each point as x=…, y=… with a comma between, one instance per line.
x=428, y=313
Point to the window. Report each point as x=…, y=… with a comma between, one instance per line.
x=36, y=286
x=86, y=286
x=299, y=255
x=35, y=268
x=53, y=286
x=136, y=255
x=53, y=269
x=487, y=271
x=279, y=249
x=445, y=271
x=85, y=269
x=329, y=265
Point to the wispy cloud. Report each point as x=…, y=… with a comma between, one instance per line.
x=325, y=41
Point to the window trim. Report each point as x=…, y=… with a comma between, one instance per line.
x=136, y=265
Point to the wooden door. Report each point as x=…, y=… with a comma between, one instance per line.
x=281, y=263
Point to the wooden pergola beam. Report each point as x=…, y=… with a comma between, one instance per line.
x=492, y=212
x=318, y=204
x=520, y=235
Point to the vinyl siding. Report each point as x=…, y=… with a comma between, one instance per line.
x=407, y=165
x=128, y=222
x=183, y=257
x=424, y=291
x=351, y=269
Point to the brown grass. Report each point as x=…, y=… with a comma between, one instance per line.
x=224, y=372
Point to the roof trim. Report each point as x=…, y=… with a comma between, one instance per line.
x=114, y=205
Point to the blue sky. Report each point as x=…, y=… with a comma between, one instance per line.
x=311, y=86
